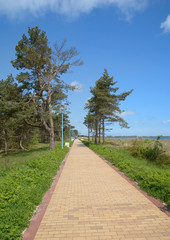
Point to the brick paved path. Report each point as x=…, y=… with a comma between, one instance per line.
x=92, y=201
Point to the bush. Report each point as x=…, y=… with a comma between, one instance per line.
x=35, y=140
x=149, y=150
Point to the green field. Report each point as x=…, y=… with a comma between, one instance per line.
x=152, y=177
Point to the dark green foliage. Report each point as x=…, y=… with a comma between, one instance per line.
x=41, y=69
x=37, y=96
x=152, y=177
x=32, y=51
x=21, y=191
x=10, y=104
x=104, y=106
x=15, y=111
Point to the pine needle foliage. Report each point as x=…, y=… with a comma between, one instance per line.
x=104, y=105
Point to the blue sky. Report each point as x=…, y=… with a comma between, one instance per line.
x=131, y=38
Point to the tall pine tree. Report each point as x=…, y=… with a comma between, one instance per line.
x=104, y=105
x=42, y=69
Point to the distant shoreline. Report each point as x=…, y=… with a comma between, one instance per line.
x=138, y=137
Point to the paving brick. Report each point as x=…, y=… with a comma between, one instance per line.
x=92, y=201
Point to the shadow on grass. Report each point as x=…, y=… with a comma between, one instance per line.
x=19, y=158
x=24, y=152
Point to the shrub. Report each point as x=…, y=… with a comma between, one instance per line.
x=149, y=150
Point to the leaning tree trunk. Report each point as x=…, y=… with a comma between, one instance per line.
x=103, y=132
x=52, y=141
x=20, y=143
x=50, y=130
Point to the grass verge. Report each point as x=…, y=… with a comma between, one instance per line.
x=22, y=189
x=151, y=177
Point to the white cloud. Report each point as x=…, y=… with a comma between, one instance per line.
x=78, y=87
x=124, y=114
x=166, y=25
x=77, y=121
x=136, y=122
x=14, y=8
x=166, y=121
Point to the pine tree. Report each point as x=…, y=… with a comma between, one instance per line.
x=89, y=123
x=104, y=105
x=15, y=111
x=10, y=104
x=42, y=69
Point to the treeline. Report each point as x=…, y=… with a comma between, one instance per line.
x=104, y=107
x=31, y=105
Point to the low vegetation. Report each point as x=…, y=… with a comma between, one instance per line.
x=16, y=158
x=22, y=188
x=151, y=150
x=152, y=176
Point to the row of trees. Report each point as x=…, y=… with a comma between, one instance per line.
x=104, y=107
x=36, y=98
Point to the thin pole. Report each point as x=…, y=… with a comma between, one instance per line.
x=62, y=132
x=70, y=135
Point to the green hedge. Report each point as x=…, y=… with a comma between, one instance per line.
x=152, y=178
x=22, y=190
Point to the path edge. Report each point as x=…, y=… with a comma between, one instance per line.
x=163, y=208
x=30, y=232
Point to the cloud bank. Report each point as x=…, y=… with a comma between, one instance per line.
x=166, y=25
x=13, y=8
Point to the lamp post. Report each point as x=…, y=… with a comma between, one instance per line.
x=70, y=135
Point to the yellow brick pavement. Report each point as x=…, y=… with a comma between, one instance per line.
x=92, y=201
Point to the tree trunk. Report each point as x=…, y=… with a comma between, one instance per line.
x=103, y=132
x=52, y=136
x=52, y=141
x=88, y=134
x=96, y=133
x=99, y=132
x=20, y=143
x=49, y=129
x=5, y=141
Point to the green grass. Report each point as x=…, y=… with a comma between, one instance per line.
x=152, y=177
x=22, y=189
x=17, y=158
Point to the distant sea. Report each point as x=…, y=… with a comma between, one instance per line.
x=154, y=138
x=144, y=137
